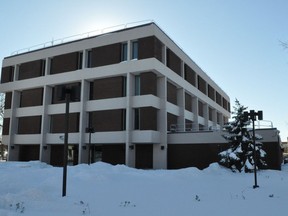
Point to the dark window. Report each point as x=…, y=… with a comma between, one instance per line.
x=145, y=118
x=57, y=100
x=171, y=120
x=225, y=104
x=106, y=55
x=137, y=119
x=150, y=47
x=218, y=99
x=65, y=63
x=29, y=125
x=108, y=120
x=173, y=62
x=57, y=123
x=135, y=50
x=200, y=109
x=210, y=114
x=218, y=118
x=31, y=97
x=31, y=69
x=6, y=126
x=137, y=85
x=80, y=60
x=202, y=85
x=112, y=87
x=8, y=100
x=148, y=83
x=188, y=102
x=7, y=74
x=189, y=75
x=171, y=93
x=89, y=59
x=124, y=52
x=211, y=92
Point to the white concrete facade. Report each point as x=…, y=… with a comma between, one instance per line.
x=129, y=69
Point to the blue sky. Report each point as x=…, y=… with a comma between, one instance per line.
x=235, y=42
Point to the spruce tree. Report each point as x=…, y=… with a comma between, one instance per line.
x=239, y=155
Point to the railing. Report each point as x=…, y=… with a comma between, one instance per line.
x=80, y=36
x=192, y=127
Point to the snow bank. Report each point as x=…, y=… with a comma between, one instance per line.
x=35, y=188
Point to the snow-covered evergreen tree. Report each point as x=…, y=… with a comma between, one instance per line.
x=239, y=155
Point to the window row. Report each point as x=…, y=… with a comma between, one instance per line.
x=145, y=83
x=214, y=95
x=145, y=118
x=148, y=47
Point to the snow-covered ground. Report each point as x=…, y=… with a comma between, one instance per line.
x=35, y=189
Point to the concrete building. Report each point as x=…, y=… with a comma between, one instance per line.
x=136, y=85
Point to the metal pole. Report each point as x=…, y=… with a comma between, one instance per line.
x=65, y=159
x=254, y=154
x=89, y=147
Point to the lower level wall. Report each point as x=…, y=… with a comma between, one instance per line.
x=193, y=155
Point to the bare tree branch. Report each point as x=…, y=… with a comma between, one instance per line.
x=284, y=44
x=2, y=104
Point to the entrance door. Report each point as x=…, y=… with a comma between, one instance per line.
x=144, y=156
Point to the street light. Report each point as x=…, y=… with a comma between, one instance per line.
x=71, y=93
x=89, y=130
x=252, y=116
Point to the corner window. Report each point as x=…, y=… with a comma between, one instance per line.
x=79, y=63
x=89, y=59
x=135, y=50
x=124, y=52
x=137, y=119
x=137, y=85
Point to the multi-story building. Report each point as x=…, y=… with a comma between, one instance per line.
x=136, y=86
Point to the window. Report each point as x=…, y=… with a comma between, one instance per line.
x=135, y=50
x=80, y=60
x=137, y=85
x=124, y=52
x=89, y=59
x=137, y=119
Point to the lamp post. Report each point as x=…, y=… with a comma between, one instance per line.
x=69, y=94
x=252, y=116
x=89, y=130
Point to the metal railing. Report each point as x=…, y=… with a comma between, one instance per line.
x=192, y=127
x=54, y=42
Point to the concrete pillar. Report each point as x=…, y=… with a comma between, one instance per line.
x=130, y=147
x=206, y=115
x=13, y=150
x=45, y=150
x=82, y=144
x=195, y=125
x=181, y=105
x=160, y=150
